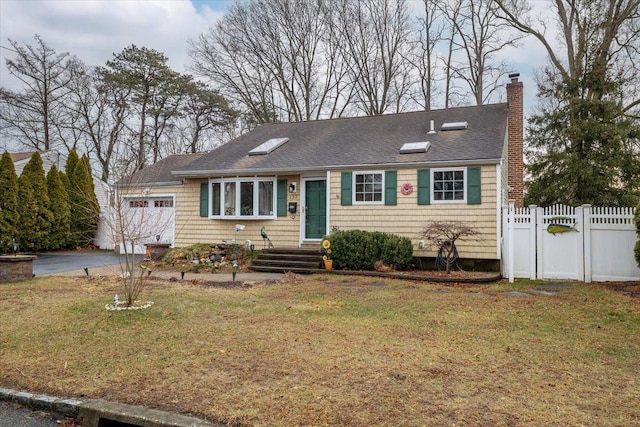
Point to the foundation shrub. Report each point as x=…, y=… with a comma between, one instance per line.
x=360, y=250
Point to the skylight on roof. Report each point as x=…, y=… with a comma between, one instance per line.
x=454, y=126
x=268, y=147
x=415, y=147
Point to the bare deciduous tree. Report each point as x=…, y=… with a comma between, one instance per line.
x=32, y=116
x=102, y=114
x=477, y=34
x=424, y=55
x=376, y=35
x=275, y=59
x=596, y=37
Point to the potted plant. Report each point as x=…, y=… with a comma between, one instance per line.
x=326, y=254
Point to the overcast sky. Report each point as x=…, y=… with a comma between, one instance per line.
x=94, y=30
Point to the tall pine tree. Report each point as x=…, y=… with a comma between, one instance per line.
x=60, y=209
x=9, y=215
x=33, y=172
x=581, y=145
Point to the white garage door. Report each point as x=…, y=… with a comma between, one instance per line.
x=148, y=220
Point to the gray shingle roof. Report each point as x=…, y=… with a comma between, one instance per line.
x=362, y=142
x=160, y=173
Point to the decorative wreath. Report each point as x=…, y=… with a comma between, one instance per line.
x=407, y=188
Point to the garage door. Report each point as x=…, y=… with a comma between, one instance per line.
x=148, y=220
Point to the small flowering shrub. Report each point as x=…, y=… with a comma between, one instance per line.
x=360, y=250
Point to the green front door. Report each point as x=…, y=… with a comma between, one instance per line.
x=315, y=224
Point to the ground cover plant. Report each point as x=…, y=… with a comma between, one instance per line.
x=333, y=350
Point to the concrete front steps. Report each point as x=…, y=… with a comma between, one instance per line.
x=305, y=260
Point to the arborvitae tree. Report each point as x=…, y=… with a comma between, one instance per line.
x=93, y=212
x=34, y=172
x=72, y=160
x=64, y=179
x=28, y=232
x=60, y=209
x=9, y=216
x=87, y=166
x=85, y=210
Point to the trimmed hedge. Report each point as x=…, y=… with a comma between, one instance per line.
x=359, y=250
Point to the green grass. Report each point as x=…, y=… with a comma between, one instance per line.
x=332, y=351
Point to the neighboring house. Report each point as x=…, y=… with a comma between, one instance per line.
x=104, y=238
x=390, y=173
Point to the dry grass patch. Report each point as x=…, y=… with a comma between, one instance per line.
x=332, y=350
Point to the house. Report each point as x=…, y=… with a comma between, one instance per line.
x=104, y=238
x=390, y=173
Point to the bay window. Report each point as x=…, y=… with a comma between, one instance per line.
x=242, y=198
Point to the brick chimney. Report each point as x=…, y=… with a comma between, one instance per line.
x=515, y=161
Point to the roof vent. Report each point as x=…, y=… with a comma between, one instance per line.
x=432, y=127
x=454, y=126
x=415, y=147
x=267, y=147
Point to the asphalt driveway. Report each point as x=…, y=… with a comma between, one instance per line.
x=61, y=262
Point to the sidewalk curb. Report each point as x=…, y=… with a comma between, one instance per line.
x=90, y=412
x=66, y=407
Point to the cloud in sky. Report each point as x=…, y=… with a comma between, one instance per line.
x=94, y=30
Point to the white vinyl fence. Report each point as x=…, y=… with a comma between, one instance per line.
x=562, y=242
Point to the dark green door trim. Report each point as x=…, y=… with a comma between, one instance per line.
x=315, y=218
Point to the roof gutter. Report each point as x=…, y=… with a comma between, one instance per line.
x=150, y=184
x=282, y=171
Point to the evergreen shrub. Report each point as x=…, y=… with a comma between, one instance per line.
x=359, y=250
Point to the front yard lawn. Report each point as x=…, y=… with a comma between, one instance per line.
x=333, y=350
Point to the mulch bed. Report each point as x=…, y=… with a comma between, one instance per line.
x=631, y=289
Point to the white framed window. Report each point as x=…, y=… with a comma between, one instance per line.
x=368, y=187
x=163, y=203
x=138, y=203
x=242, y=198
x=448, y=185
